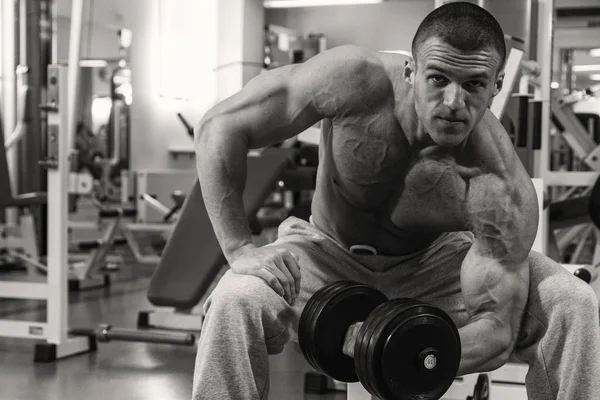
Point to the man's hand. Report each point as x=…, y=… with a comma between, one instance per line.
x=495, y=296
x=274, y=264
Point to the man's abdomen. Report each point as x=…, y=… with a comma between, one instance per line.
x=334, y=213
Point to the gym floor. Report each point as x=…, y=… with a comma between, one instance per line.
x=118, y=370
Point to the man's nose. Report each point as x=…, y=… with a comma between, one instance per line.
x=454, y=97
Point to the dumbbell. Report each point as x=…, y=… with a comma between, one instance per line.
x=588, y=274
x=404, y=348
x=482, y=388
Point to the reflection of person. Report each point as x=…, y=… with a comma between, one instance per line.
x=89, y=148
x=416, y=170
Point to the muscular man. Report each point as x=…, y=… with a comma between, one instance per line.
x=416, y=170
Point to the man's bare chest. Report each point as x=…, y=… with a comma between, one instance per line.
x=381, y=176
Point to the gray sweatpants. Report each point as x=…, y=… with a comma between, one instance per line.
x=246, y=320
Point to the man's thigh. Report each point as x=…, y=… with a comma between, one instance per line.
x=321, y=260
x=433, y=276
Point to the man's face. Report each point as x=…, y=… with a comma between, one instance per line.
x=452, y=89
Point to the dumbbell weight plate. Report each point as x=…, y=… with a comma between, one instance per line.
x=482, y=388
x=366, y=373
x=398, y=334
x=325, y=320
x=433, y=329
x=307, y=323
x=308, y=320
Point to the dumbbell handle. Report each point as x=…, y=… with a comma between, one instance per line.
x=427, y=357
x=350, y=340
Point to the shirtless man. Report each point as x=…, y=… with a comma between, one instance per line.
x=415, y=169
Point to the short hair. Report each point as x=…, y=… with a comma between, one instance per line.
x=464, y=26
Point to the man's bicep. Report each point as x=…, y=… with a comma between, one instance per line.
x=495, y=273
x=503, y=215
x=495, y=291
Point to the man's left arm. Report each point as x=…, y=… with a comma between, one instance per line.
x=503, y=214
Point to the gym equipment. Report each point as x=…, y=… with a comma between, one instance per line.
x=121, y=94
x=325, y=321
x=89, y=270
x=482, y=388
x=171, y=285
x=404, y=348
x=105, y=333
x=588, y=273
x=188, y=128
x=151, y=192
x=163, y=228
x=51, y=336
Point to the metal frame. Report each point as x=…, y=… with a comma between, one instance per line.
x=141, y=191
x=55, y=290
x=162, y=317
x=512, y=68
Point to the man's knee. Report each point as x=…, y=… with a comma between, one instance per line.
x=565, y=293
x=241, y=292
x=247, y=302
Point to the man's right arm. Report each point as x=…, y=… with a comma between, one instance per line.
x=272, y=107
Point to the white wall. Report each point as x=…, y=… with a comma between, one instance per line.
x=576, y=3
x=390, y=25
x=155, y=126
x=97, y=41
x=386, y=26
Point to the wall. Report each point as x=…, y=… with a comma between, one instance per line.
x=386, y=26
x=97, y=41
x=155, y=126
x=576, y=3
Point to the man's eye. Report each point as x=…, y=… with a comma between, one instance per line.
x=475, y=84
x=437, y=79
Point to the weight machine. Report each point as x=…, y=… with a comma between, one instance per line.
x=56, y=341
x=54, y=338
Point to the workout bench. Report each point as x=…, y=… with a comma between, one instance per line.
x=193, y=249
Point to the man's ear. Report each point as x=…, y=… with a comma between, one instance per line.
x=499, y=83
x=409, y=71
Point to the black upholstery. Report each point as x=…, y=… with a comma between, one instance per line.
x=192, y=257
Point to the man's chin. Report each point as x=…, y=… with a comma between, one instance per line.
x=447, y=139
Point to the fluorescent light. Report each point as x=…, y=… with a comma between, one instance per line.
x=93, y=63
x=402, y=52
x=595, y=77
x=586, y=68
x=595, y=52
x=554, y=85
x=314, y=3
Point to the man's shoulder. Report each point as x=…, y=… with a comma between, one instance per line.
x=362, y=76
x=494, y=154
x=491, y=148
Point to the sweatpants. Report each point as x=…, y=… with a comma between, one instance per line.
x=246, y=320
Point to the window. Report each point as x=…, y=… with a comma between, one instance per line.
x=187, y=56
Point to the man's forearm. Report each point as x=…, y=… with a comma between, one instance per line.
x=221, y=164
x=483, y=347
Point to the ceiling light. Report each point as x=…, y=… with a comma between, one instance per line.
x=586, y=68
x=595, y=52
x=314, y=3
x=595, y=77
x=93, y=63
x=402, y=52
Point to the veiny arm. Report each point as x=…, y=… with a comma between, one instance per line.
x=503, y=214
x=273, y=107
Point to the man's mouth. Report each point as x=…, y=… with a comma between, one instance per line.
x=451, y=120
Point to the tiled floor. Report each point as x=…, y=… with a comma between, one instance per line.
x=118, y=371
